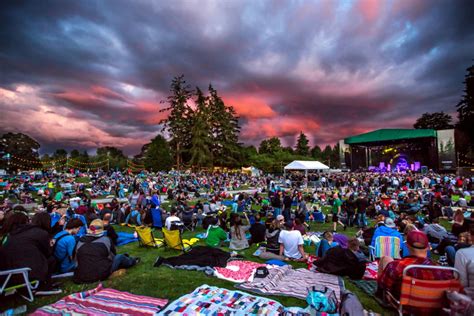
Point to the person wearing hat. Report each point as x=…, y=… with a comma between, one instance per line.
x=388, y=228
x=96, y=256
x=390, y=271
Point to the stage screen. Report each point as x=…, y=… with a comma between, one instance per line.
x=446, y=149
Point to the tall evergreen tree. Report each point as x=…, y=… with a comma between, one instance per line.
x=327, y=155
x=225, y=131
x=465, y=109
x=201, y=155
x=302, y=147
x=316, y=152
x=178, y=123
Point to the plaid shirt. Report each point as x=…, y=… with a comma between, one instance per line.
x=391, y=278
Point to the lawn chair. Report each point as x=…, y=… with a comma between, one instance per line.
x=30, y=285
x=173, y=240
x=426, y=294
x=385, y=246
x=146, y=238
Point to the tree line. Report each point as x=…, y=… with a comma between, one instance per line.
x=202, y=132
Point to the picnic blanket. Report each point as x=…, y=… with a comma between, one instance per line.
x=286, y=281
x=211, y=300
x=125, y=238
x=103, y=301
x=237, y=271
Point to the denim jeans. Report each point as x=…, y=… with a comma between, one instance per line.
x=450, y=254
x=362, y=220
x=122, y=262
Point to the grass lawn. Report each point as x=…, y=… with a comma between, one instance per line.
x=164, y=282
x=82, y=180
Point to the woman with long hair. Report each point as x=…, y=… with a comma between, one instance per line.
x=238, y=241
x=26, y=245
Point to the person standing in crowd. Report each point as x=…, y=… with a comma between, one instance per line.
x=336, y=212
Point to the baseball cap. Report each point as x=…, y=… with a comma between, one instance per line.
x=389, y=222
x=280, y=218
x=417, y=239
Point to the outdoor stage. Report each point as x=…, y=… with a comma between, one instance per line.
x=399, y=150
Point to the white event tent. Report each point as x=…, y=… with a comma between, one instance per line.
x=305, y=165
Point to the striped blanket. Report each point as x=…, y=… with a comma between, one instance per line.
x=286, y=281
x=211, y=300
x=103, y=301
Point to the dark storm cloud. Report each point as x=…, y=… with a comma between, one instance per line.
x=330, y=69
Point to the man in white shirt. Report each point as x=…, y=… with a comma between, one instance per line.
x=291, y=243
x=172, y=218
x=464, y=263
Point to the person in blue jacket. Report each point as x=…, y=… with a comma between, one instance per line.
x=64, y=245
x=387, y=229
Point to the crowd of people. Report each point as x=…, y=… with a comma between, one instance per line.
x=69, y=231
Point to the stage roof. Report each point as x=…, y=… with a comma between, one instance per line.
x=381, y=135
x=306, y=165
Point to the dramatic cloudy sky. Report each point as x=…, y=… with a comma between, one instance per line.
x=84, y=74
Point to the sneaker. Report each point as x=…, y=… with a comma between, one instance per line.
x=137, y=260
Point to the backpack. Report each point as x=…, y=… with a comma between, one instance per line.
x=350, y=305
x=322, y=299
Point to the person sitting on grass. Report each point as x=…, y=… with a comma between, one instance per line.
x=299, y=226
x=326, y=243
x=257, y=231
x=238, y=241
x=96, y=256
x=64, y=245
x=215, y=234
x=24, y=245
x=389, y=276
x=387, y=229
x=291, y=243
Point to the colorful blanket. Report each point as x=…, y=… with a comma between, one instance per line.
x=103, y=301
x=371, y=271
x=295, y=283
x=237, y=271
x=211, y=300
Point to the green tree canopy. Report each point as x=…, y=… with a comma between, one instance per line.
x=201, y=140
x=270, y=146
x=20, y=149
x=436, y=120
x=302, y=147
x=157, y=155
x=465, y=109
x=179, y=122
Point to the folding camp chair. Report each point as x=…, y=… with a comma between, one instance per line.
x=385, y=246
x=174, y=240
x=30, y=285
x=146, y=238
x=426, y=294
